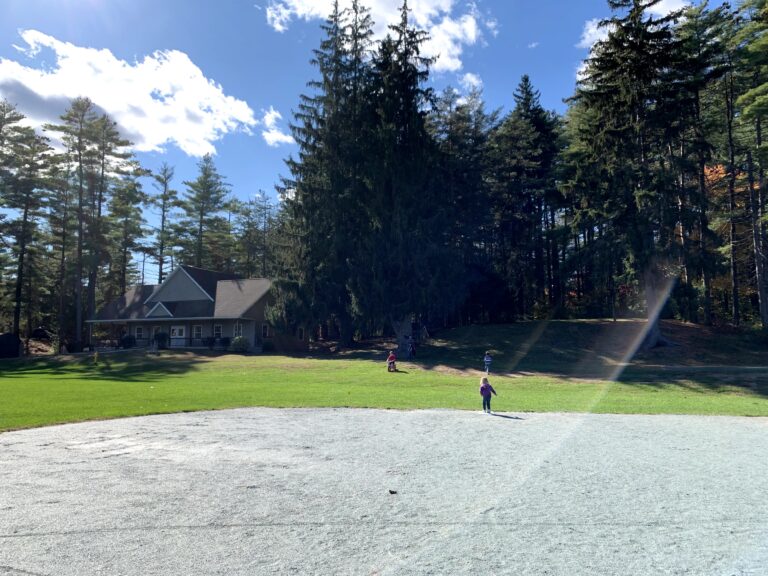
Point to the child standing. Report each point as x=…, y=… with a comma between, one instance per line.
x=391, y=367
x=485, y=391
x=487, y=361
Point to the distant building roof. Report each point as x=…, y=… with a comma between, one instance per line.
x=235, y=297
x=232, y=297
x=207, y=279
x=129, y=306
x=190, y=308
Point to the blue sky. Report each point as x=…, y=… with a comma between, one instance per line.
x=185, y=77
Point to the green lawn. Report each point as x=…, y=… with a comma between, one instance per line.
x=559, y=371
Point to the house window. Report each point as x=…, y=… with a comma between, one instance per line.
x=217, y=330
x=177, y=331
x=139, y=332
x=197, y=332
x=265, y=333
x=300, y=333
x=238, y=330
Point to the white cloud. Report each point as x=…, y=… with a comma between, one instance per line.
x=160, y=100
x=666, y=6
x=273, y=136
x=581, y=71
x=451, y=29
x=470, y=80
x=592, y=33
x=493, y=26
x=533, y=45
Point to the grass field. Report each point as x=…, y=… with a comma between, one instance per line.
x=557, y=366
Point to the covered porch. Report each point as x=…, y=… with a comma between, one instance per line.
x=211, y=334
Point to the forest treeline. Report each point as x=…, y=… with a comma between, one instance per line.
x=404, y=204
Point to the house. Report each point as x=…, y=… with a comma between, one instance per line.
x=193, y=306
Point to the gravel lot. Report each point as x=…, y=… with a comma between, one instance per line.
x=263, y=491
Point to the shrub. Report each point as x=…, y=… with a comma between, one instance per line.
x=239, y=344
x=209, y=341
x=161, y=339
x=225, y=342
x=128, y=341
x=268, y=347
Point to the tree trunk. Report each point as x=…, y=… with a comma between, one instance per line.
x=63, y=271
x=762, y=294
x=703, y=236
x=404, y=333
x=161, y=255
x=199, y=250
x=78, y=343
x=653, y=303
x=729, y=102
x=20, y=271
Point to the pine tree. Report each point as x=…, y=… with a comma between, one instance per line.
x=23, y=191
x=201, y=205
x=165, y=201
x=126, y=229
x=77, y=134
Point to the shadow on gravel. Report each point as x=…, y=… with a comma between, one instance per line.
x=132, y=366
x=505, y=416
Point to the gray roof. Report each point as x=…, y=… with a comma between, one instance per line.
x=129, y=306
x=190, y=308
x=235, y=297
x=207, y=279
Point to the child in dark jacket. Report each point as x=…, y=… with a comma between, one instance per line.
x=485, y=391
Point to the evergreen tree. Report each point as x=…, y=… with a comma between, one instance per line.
x=165, y=200
x=24, y=157
x=202, y=205
x=624, y=87
x=323, y=198
x=126, y=232
x=77, y=134
x=461, y=129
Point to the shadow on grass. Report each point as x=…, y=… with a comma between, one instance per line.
x=128, y=366
x=753, y=380
x=702, y=358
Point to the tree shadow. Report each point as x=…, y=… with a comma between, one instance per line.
x=700, y=379
x=123, y=366
x=603, y=350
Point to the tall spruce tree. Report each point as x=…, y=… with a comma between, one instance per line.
x=324, y=194
x=623, y=86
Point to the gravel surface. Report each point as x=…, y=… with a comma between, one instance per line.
x=339, y=491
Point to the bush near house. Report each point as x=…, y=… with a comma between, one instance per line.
x=239, y=344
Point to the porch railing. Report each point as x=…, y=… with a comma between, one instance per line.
x=172, y=342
